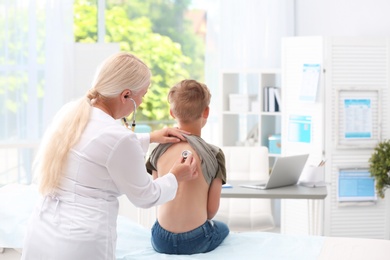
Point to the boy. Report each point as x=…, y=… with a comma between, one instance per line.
x=184, y=225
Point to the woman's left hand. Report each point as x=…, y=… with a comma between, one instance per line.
x=167, y=135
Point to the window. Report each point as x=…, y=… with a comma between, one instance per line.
x=34, y=44
x=168, y=35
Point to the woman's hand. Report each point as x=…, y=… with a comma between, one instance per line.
x=167, y=135
x=185, y=169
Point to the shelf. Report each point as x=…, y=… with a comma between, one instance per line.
x=271, y=113
x=245, y=88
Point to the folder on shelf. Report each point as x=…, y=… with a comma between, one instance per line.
x=265, y=99
x=277, y=99
x=273, y=99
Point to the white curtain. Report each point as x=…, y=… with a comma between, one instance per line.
x=242, y=35
x=36, y=39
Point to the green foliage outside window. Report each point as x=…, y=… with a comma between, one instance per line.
x=156, y=32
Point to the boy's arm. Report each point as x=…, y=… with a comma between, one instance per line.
x=214, y=197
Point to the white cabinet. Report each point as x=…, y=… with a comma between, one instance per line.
x=243, y=121
x=350, y=68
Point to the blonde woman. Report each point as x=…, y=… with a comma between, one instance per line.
x=87, y=159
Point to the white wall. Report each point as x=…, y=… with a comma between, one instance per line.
x=342, y=17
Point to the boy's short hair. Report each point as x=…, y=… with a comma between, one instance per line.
x=188, y=100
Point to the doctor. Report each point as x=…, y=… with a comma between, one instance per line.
x=86, y=160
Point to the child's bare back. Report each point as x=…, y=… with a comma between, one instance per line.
x=189, y=208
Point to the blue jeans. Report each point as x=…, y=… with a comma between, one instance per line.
x=203, y=239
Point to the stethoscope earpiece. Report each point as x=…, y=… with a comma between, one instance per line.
x=124, y=119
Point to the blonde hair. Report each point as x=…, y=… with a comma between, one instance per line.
x=188, y=100
x=118, y=72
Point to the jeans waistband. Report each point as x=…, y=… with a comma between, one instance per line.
x=204, y=230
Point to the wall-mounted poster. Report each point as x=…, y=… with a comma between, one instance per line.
x=310, y=81
x=299, y=129
x=358, y=116
x=355, y=185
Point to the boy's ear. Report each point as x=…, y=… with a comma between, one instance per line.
x=171, y=113
x=206, y=112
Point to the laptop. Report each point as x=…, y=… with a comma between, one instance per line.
x=286, y=172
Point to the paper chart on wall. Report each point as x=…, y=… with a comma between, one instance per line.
x=310, y=81
x=358, y=118
x=355, y=185
x=358, y=115
x=299, y=128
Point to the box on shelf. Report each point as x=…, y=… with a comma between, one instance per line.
x=240, y=102
x=274, y=144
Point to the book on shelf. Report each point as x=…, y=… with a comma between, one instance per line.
x=271, y=99
x=265, y=99
x=278, y=99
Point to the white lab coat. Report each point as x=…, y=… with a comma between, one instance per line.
x=78, y=221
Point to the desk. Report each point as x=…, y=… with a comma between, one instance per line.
x=314, y=197
x=288, y=192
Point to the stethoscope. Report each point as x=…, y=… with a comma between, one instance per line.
x=124, y=118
